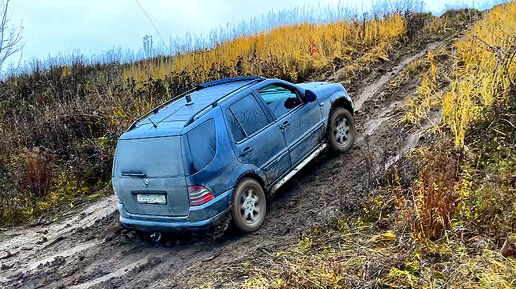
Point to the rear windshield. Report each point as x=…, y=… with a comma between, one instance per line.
x=154, y=157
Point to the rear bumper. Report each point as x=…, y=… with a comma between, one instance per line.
x=200, y=218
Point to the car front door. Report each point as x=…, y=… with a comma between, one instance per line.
x=258, y=140
x=300, y=122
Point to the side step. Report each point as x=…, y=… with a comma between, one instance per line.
x=294, y=171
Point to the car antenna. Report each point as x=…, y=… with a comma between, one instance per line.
x=155, y=125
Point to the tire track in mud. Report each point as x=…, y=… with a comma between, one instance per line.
x=375, y=88
x=91, y=250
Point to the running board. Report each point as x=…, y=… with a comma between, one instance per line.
x=294, y=171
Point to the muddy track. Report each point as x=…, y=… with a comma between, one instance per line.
x=90, y=249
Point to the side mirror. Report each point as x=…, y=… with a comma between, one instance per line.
x=309, y=96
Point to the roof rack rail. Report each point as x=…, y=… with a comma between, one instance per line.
x=156, y=109
x=228, y=80
x=195, y=88
x=214, y=104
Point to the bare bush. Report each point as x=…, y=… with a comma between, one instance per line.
x=32, y=172
x=429, y=204
x=10, y=36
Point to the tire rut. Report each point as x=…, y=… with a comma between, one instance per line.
x=376, y=87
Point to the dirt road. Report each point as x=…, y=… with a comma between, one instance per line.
x=89, y=249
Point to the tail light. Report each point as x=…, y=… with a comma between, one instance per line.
x=199, y=195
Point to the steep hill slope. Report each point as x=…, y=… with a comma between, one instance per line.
x=91, y=253
x=334, y=224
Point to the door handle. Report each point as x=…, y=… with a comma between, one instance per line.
x=246, y=151
x=285, y=124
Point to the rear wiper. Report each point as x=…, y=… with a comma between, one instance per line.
x=136, y=175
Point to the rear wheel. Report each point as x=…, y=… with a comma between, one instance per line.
x=341, y=130
x=249, y=205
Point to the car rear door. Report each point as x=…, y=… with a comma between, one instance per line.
x=146, y=167
x=258, y=140
x=301, y=122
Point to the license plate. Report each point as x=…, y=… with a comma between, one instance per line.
x=151, y=198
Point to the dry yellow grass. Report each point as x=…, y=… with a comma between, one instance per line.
x=482, y=73
x=282, y=52
x=417, y=107
x=485, y=69
x=482, y=76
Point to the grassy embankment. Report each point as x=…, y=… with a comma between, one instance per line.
x=59, y=126
x=446, y=215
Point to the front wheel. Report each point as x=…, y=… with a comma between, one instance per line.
x=341, y=130
x=249, y=205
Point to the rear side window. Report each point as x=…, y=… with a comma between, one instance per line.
x=234, y=126
x=203, y=145
x=249, y=114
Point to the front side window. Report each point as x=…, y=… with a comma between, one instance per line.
x=280, y=100
x=203, y=145
x=249, y=115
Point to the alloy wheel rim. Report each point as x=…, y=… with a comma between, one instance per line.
x=249, y=206
x=341, y=131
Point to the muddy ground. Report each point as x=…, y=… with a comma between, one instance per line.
x=89, y=249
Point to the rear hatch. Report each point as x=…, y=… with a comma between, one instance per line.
x=150, y=169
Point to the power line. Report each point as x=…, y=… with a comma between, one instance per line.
x=150, y=20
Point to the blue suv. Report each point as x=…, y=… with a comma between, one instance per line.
x=218, y=151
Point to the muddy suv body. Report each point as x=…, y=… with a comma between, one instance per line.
x=220, y=149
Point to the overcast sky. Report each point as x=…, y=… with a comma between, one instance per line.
x=51, y=26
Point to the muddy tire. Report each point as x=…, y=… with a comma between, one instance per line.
x=249, y=205
x=341, y=130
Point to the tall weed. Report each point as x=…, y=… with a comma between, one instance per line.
x=283, y=52
x=429, y=204
x=485, y=70
x=465, y=176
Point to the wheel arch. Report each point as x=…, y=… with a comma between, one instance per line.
x=343, y=101
x=254, y=175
